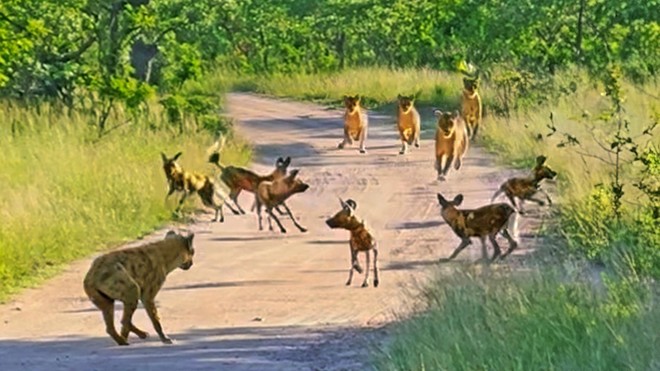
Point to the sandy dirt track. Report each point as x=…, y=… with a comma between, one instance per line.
x=263, y=300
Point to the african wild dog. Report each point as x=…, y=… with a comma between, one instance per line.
x=361, y=239
x=356, y=123
x=471, y=107
x=486, y=221
x=272, y=194
x=136, y=274
x=213, y=194
x=239, y=179
x=408, y=122
x=451, y=142
x=525, y=188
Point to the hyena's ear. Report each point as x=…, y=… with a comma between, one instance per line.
x=176, y=156
x=442, y=201
x=540, y=160
x=458, y=200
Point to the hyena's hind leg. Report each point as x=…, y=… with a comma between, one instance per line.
x=107, y=307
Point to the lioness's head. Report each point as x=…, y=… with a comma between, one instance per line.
x=188, y=249
x=405, y=102
x=447, y=121
x=351, y=103
x=470, y=85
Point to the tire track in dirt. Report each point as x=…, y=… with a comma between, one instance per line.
x=262, y=300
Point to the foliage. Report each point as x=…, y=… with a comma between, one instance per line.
x=542, y=320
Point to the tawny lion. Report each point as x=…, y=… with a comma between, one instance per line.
x=525, y=188
x=451, y=142
x=356, y=123
x=486, y=221
x=213, y=194
x=408, y=123
x=362, y=240
x=471, y=108
x=133, y=275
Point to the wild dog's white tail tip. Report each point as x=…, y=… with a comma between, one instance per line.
x=512, y=225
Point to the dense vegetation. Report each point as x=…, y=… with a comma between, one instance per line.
x=77, y=76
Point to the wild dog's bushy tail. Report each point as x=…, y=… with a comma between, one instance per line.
x=216, y=149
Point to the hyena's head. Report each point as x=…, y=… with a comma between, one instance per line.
x=405, y=102
x=344, y=217
x=470, y=85
x=351, y=103
x=447, y=121
x=170, y=166
x=543, y=171
x=294, y=184
x=282, y=165
x=187, y=249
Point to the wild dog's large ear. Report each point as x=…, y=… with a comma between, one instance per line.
x=164, y=157
x=458, y=200
x=399, y=96
x=279, y=161
x=176, y=156
x=294, y=173
x=540, y=160
x=351, y=203
x=442, y=201
x=171, y=233
x=287, y=160
x=357, y=97
x=437, y=113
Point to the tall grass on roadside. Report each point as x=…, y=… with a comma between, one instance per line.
x=534, y=321
x=66, y=193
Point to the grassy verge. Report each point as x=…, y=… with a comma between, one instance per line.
x=66, y=193
x=539, y=321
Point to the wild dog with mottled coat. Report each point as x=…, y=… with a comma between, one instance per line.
x=361, y=240
x=486, y=221
x=240, y=179
x=272, y=194
x=213, y=194
x=525, y=188
x=451, y=142
x=356, y=123
x=136, y=274
x=471, y=107
x=408, y=123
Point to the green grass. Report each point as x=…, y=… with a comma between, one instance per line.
x=66, y=194
x=536, y=321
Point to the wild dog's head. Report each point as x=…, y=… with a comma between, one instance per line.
x=282, y=164
x=470, y=84
x=446, y=204
x=344, y=216
x=170, y=166
x=351, y=103
x=188, y=250
x=447, y=121
x=405, y=102
x=294, y=184
x=542, y=171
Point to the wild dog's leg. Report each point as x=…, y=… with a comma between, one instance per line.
x=270, y=214
x=496, y=246
x=513, y=202
x=181, y=201
x=484, y=248
x=233, y=195
x=300, y=227
x=367, y=258
x=107, y=307
x=534, y=199
x=464, y=243
x=546, y=196
x=355, y=265
x=376, y=281
x=258, y=204
x=218, y=210
x=152, y=312
x=270, y=222
x=512, y=243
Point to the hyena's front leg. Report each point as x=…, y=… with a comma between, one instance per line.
x=152, y=312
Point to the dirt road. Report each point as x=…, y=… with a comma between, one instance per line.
x=263, y=300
